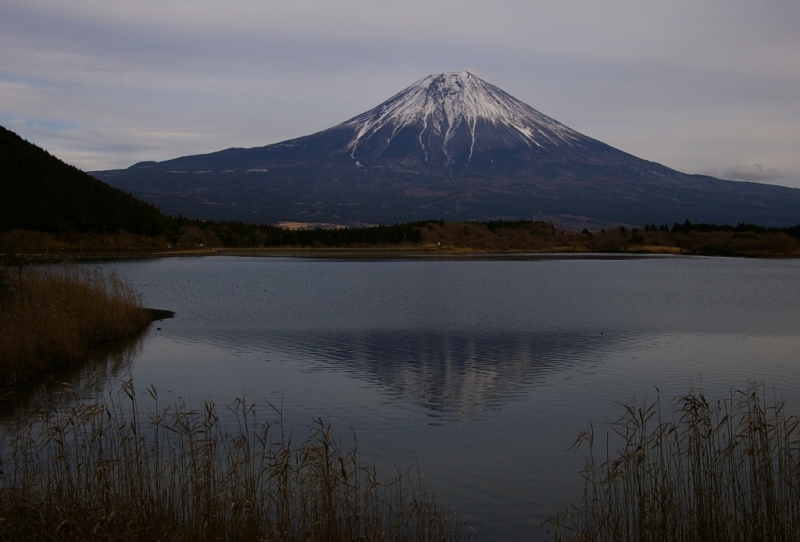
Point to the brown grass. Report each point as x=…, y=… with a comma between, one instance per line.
x=53, y=315
x=104, y=470
x=718, y=471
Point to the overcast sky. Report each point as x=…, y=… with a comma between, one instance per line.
x=709, y=86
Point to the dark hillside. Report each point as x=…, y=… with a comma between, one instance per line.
x=40, y=192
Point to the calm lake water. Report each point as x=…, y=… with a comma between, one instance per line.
x=482, y=371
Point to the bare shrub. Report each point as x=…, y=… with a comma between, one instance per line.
x=716, y=471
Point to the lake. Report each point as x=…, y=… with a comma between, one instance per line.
x=480, y=370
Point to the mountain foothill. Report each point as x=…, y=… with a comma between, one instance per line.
x=42, y=193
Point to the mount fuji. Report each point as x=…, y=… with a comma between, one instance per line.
x=451, y=147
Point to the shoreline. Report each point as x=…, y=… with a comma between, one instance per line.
x=384, y=252
x=412, y=240
x=434, y=253
x=156, y=315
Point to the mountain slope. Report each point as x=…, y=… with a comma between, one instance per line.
x=40, y=192
x=454, y=147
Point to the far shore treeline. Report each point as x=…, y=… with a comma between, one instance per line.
x=49, y=208
x=183, y=236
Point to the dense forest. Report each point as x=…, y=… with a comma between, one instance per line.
x=42, y=193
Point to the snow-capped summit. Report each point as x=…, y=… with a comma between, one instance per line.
x=451, y=116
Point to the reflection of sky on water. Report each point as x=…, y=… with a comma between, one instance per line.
x=107, y=362
x=643, y=295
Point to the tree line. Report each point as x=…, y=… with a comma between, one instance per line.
x=688, y=227
x=187, y=233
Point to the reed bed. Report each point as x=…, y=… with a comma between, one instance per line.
x=51, y=315
x=102, y=469
x=725, y=470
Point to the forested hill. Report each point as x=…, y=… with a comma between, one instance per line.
x=40, y=192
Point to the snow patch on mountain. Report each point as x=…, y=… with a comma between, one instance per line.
x=438, y=105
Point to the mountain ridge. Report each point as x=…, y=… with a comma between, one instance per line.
x=453, y=147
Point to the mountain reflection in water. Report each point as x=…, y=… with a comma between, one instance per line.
x=456, y=375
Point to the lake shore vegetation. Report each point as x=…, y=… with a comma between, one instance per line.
x=52, y=315
x=725, y=470
x=190, y=237
x=108, y=469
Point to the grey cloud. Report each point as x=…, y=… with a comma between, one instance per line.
x=752, y=172
x=683, y=83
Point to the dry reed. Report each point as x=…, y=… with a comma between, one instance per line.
x=51, y=315
x=101, y=470
x=717, y=471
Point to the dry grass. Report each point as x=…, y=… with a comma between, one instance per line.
x=54, y=314
x=103, y=470
x=718, y=471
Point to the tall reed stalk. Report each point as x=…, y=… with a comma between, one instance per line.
x=715, y=471
x=103, y=470
x=52, y=315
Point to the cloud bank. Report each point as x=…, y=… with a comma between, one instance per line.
x=696, y=86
